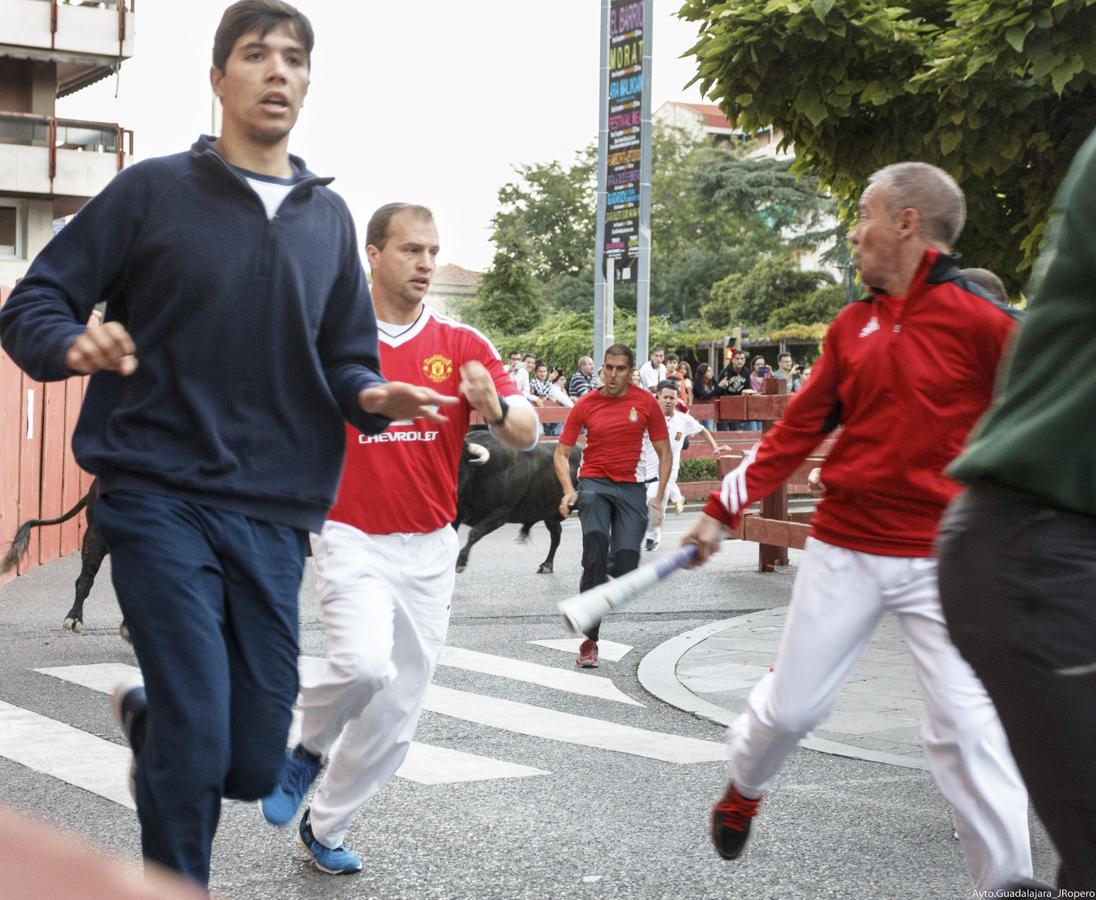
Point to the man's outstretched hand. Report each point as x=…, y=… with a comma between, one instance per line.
x=707, y=534
x=399, y=400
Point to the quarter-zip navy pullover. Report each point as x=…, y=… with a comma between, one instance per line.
x=253, y=335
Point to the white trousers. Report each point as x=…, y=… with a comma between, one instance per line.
x=654, y=532
x=385, y=610
x=838, y=600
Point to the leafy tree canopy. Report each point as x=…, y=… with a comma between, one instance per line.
x=773, y=285
x=999, y=94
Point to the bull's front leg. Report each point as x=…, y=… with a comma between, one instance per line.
x=480, y=530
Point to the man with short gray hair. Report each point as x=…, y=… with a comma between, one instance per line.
x=904, y=415
x=582, y=382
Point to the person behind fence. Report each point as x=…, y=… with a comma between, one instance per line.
x=612, y=501
x=1018, y=549
x=705, y=390
x=787, y=370
x=540, y=387
x=654, y=370
x=904, y=416
x=583, y=379
x=733, y=380
x=213, y=419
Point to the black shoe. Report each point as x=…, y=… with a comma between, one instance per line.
x=731, y=818
x=651, y=544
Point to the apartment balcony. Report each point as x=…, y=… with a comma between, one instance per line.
x=66, y=160
x=87, y=39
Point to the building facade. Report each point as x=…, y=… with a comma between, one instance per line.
x=49, y=166
x=452, y=285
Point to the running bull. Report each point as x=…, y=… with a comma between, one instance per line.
x=498, y=485
x=93, y=551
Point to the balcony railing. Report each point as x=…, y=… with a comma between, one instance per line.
x=120, y=5
x=61, y=138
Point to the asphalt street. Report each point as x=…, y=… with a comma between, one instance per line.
x=589, y=822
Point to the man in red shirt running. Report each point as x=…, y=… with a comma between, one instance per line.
x=904, y=373
x=386, y=558
x=611, y=497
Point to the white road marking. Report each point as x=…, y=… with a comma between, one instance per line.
x=69, y=754
x=424, y=764
x=553, y=725
x=609, y=650
x=533, y=673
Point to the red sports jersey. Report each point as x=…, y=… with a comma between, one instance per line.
x=405, y=478
x=614, y=431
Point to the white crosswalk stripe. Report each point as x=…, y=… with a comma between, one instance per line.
x=569, y=728
x=66, y=753
x=101, y=766
x=533, y=673
x=424, y=764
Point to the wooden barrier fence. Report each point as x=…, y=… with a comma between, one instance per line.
x=38, y=476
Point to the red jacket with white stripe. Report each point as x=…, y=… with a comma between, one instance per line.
x=906, y=378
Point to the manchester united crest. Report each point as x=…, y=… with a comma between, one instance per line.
x=437, y=368
x=633, y=416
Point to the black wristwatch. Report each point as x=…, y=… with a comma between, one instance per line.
x=505, y=411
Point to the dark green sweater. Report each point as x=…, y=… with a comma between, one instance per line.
x=1039, y=437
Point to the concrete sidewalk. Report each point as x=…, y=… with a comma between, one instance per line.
x=710, y=671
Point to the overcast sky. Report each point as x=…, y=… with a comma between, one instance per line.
x=431, y=102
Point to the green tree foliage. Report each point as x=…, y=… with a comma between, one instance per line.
x=999, y=94
x=508, y=300
x=818, y=307
x=712, y=213
x=754, y=299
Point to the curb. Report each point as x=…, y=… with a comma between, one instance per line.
x=658, y=675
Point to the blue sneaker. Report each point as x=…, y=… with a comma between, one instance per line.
x=298, y=773
x=131, y=712
x=339, y=861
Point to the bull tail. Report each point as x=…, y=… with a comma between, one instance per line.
x=21, y=541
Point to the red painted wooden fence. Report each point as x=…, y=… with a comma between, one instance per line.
x=39, y=478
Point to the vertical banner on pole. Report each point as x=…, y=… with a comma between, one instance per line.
x=643, y=285
x=620, y=237
x=602, y=152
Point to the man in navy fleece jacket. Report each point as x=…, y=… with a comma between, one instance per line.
x=238, y=335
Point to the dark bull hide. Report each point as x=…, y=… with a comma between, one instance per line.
x=498, y=485
x=93, y=551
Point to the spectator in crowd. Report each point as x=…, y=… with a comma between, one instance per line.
x=787, y=370
x=804, y=376
x=541, y=387
x=634, y=378
x=583, y=379
x=686, y=382
x=758, y=373
x=519, y=372
x=557, y=378
x=653, y=371
x=705, y=390
x=734, y=381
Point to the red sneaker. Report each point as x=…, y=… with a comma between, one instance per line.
x=587, y=655
x=731, y=818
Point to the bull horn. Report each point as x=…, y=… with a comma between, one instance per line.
x=479, y=454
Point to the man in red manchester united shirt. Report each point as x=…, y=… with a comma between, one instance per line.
x=387, y=555
x=611, y=497
x=904, y=373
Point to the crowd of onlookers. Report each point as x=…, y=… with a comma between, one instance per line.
x=740, y=376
